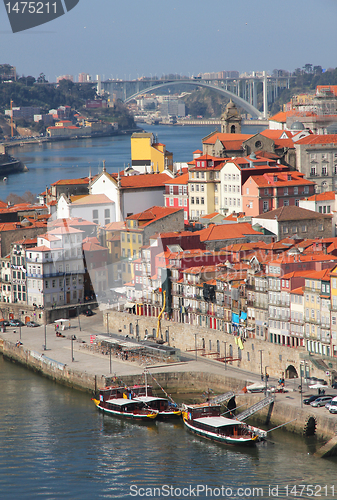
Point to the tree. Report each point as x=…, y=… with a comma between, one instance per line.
x=307, y=68
x=42, y=78
x=318, y=70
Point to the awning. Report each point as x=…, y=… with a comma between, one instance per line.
x=129, y=305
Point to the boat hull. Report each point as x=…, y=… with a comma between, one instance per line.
x=145, y=416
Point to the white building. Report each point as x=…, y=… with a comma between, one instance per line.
x=55, y=268
x=96, y=208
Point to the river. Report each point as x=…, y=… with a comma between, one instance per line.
x=52, y=161
x=54, y=444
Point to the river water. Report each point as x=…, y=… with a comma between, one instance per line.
x=50, y=162
x=54, y=444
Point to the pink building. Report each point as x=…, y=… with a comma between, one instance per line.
x=176, y=193
x=262, y=193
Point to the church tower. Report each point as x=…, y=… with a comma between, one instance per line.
x=231, y=119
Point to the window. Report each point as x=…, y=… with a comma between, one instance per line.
x=285, y=191
x=320, y=227
x=197, y=201
x=192, y=200
x=306, y=190
x=286, y=203
x=171, y=202
x=285, y=229
x=304, y=229
x=202, y=201
x=95, y=216
x=192, y=187
x=295, y=190
x=202, y=187
x=266, y=206
x=171, y=189
x=107, y=216
x=313, y=171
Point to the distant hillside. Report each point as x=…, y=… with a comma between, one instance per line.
x=205, y=102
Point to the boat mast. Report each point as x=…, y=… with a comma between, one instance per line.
x=145, y=374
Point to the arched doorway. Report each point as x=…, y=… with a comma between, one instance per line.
x=291, y=372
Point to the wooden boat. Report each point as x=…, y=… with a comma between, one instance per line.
x=126, y=408
x=206, y=420
x=164, y=408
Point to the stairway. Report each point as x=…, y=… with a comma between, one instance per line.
x=256, y=407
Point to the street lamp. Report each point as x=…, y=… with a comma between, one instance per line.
x=72, y=347
x=79, y=323
x=261, y=351
x=195, y=346
x=107, y=323
x=225, y=347
x=45, y=337
x=266, y=377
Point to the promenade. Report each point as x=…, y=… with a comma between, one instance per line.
x=199, y=374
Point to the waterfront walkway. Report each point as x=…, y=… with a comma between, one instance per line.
x=61, y=349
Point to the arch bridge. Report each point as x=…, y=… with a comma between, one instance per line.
x=132, y=89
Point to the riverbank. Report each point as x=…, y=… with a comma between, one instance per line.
x=22, y=141
x=90, y=370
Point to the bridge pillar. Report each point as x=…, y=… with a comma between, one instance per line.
x=254, y=93
x=265, y=95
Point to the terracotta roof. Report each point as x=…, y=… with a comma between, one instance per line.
x=291, y=213
x=42, y=248
x=267, y=179
x=226, y=231
x=62, y=182
x=115, y=226
x=90, y=246
x=298, y=291
x=181, y=179
x=229, y=139
x=143, y=181
x=93, y=199
x=153, y=213
x=313, y=139
x=327, y=195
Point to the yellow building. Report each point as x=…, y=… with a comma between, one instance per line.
x=147, y=155
x=204, y=186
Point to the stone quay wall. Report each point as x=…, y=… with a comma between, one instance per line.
x=51, y=368
x=276, y=359
x=191, y=383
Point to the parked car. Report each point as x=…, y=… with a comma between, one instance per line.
x=32, y=324
x=16, y=322
x=332, y=402
x=334, y=385
x=333, y=407
x=4, y=323
x=321, y=401
x=309, y=399
x=88, y=312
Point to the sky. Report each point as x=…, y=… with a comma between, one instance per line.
x=132, y=38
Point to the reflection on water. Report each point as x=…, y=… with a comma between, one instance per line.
x=55, y=444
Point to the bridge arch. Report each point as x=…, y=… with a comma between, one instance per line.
x=254, y=112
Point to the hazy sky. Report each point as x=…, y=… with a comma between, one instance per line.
x=130, y=38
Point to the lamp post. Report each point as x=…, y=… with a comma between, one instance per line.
x=45, y=337
x=72, y=348
x=110, y=361
x=79, y=322
x=266, y=377
x=261, y=351
x=225, y=347
x=195, y=346
x=107, y=323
